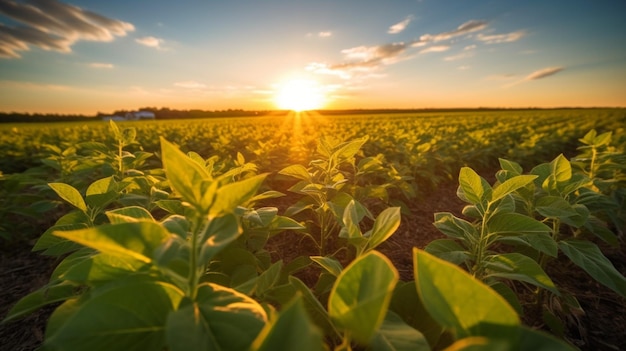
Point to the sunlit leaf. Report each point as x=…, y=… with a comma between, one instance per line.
x=220, y=319
x=293, y=330
x=130, y=316
x=69, y=194
x=588, y=256
x=138, y=240
x=457, y=300
x=360, y=297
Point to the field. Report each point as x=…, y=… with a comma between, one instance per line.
x=375, y=231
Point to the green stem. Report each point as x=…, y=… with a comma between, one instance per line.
x=592, y=166
x=543, y=261
x=193, y=269
x=483, y=242
x=119, y=158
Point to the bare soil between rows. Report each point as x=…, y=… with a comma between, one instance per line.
x=602, y=327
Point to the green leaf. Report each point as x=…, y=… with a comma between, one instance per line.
x=449, y=250
x=407, y=304
x=458, y=301
x=69, y=194
x=588, y=256
x=395, y=335
x=186, y=176
x=360, y=297
x=455, y=227
x=542, y=242
x=171, y=206
x=129, y=214
x=557, y=207
x=292, y=330
x=54, y=245
x=296, y=171
x=220, y=232
x=510, y=166
x=351, y=229
x=138, y=240
x=220, y=319
x=269, y=278
x=475, y=188
x=97, y=269
x=51, y=293
x=385, y=225
x=102, y=186
x=348, y=149
x=515, y=224
x=236, y=194
x=561, y=169
x=314, y=308
x=130, y=316
x=516, y=266
x=509, y=295
x=511, y=185
x=330, y=264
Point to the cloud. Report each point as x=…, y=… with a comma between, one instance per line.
x=438, y=48
x=400, y=26
x=190, y=84
x=151, y=42
x=101, y=65
x=538, y=74
x=460, y=56
x=53, y=25
x=545, y=72
x=501, y=38
x=362, y=60
x=326, y=34
x=465, y=28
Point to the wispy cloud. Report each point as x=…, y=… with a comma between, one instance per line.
x=190, y=84
x=400, y=26
x=101, y=65
x=321, y=34
x=538, y=74
x=545, y=72
x=465, y=28
x=437, y=48
x=459, y=56
x=468, y=51
x=151, y=42
x=501, y=38
x=53, y=25
x=361, y=60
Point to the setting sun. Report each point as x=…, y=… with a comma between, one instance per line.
x=300, y=95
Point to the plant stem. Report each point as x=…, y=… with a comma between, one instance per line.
x=592, y=172
x=119, y=158
x=482, y=246
x=193, y=269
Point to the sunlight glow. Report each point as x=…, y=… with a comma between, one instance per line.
x=300, y=95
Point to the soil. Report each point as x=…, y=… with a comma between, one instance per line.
x=602, y=326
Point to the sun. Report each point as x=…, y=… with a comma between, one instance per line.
x=300, y=95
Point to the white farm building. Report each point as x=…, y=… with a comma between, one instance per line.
x=131, y=116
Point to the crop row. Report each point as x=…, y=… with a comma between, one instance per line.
x=164, y=247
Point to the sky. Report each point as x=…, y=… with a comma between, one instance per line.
x=84, y=57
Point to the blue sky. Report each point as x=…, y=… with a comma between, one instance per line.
x=87, y=56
